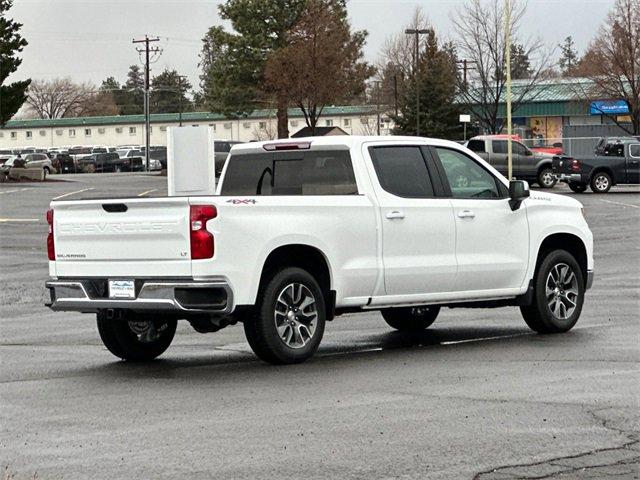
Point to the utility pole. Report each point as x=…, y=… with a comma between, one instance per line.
x=147, y=50
x=507, y=46
x=417, y=32
x=465, y=68
x=180, y=79
x=395, y=93
x=376, y=86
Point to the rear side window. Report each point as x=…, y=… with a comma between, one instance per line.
x=402, y=171
x=634, y=150
x=476, y=146
x=499, y=146
x=289, y=173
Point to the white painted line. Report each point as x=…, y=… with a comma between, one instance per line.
x=19, y=220
x=9, y=191
x=470, y=340
x=620, y=203
x=72, y=193
x=147, y=192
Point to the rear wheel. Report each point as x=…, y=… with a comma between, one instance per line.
x=601, y=182
x=47, y=171
x=577, y=187
x=410, y=319
x=135, y=337
x=558, y=294
x=289, y=319
x=546, y=178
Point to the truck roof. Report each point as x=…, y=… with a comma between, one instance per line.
x=348, y=141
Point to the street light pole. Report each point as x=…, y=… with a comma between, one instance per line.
x=417, y=32
x=507, y=46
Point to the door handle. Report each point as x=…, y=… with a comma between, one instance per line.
x=395, y=214
x=466, y=214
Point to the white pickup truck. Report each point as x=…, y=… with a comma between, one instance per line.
x=303, y=231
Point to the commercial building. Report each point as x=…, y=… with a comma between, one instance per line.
x=130, y=130
x=556, y=110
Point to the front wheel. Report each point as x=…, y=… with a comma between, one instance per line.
x=288, y=322
x=135, y=338
x=558, y=294
x=410, y=319
x=546, y=178
x=577, y=187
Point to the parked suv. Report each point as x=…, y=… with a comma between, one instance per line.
x=303, y=231
x=39, y=160
x=535, y=167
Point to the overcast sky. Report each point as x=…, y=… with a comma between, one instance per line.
x=91, y=39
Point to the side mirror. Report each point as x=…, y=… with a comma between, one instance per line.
x=518, y=191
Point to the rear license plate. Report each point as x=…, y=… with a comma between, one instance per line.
x=122, y=289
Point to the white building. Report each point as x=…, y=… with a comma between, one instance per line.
x=130, y=130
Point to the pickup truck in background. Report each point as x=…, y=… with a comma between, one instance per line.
x=535, y=167
x=615, y=161
x=301, y=232
x=108, y=162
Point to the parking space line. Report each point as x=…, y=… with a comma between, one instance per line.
x=9, y=191
x=620, y=203
x=72, y=193
x=147, y=192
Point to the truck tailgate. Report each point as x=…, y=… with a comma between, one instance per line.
x=562, y=164
x=133, y=237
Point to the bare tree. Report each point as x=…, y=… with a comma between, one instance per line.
x=61, y=98
x=323, y=62
x=612, y=62
x=481, y=41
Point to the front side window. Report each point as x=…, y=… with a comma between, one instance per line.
x=289, y=173
x=476, y=146
x=467, y=179
x=402, y=171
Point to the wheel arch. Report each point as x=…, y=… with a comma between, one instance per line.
x=307, y=257
x=564, y=241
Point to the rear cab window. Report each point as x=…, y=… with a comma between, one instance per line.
x=302, y=172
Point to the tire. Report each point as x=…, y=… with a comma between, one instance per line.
x=601, y=182
x=410, y=319
x=551, y=311
x=128, y=338
x=283, y=330
x=546, y=178
x=47, y=171
x=578, y=187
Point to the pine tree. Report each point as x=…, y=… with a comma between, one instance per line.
x=439, y=113
x=12, y=95
x=568, y=57
x=520, y=63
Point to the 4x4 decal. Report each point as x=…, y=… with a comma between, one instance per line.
x=242, y=201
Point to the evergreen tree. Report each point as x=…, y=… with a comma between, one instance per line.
x=520, y=63
x=12, y=95
x=439, y=113
x=133, y=94
x=233, y=63
x=569, y=59
x=169, y=93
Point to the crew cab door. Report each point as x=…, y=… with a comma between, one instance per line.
x=492, y=241
x=633, y=163
x=418, y=229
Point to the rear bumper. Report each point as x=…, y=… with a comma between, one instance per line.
x=166, y=296
x=569, y=178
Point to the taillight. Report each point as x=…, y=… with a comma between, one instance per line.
x=576, y=165
x=51, y=249
x=201, y=239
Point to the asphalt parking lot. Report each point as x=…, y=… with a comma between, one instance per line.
x=476, y=396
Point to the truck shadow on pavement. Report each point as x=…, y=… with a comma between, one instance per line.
x=238, y=358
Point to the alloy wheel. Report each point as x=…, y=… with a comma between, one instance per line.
x=562, y=291
x=296, y=315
